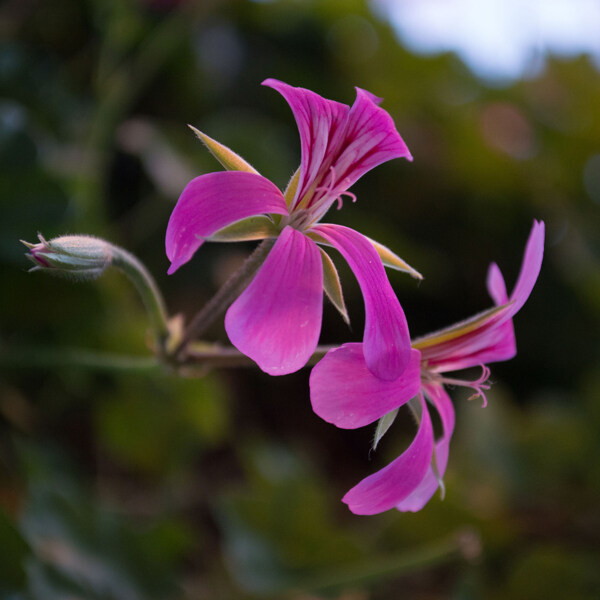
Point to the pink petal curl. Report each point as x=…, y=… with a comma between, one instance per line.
x=276, y=321
x=425, y=490
x=344, y=392
x=493, y=340
x=321, y=125
x=388, y=487
x=370, y=139
x=386, y=341
x=213, y=201
x=338, y=140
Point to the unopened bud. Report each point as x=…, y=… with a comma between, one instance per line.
x=75, y=256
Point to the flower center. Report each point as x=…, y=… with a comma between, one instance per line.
x=325, y=195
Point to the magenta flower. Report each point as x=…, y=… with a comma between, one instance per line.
x=344, y=392
x=276, y=321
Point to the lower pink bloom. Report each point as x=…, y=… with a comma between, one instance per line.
x=344, y=392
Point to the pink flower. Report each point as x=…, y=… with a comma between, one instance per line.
x=345, y=393
x=276, y=321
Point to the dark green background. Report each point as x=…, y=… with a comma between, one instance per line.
x=136, y=484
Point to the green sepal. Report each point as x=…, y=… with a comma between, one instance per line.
x=252, y=228
x=383, y=425
x=227, y=157
x=393, y=261
x=292, y=187
x=333, y=287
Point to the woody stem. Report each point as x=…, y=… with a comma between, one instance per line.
x=223, y=298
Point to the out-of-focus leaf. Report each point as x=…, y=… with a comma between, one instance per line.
x=15, y=551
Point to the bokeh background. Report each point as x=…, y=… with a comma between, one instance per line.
x=120, y=481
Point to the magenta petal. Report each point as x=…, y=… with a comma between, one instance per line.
x=391, y=485
x=277, y=319
x=496, y=286
x=425, y=490
x=213, y=201
x=530, y=269
x=386, y=338
x=494, y=339
x=370, y=139
x=321, y=124
x=344, y=392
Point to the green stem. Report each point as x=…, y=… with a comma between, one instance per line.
x=200, y=358
x=223, y=298
x=28, y=357
x=464, y=544
x=148, y=290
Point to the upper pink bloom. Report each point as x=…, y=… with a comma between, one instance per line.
x=345, y=393
x=276, y=321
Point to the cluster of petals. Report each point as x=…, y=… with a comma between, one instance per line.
x=276, y=320
x=344, y=392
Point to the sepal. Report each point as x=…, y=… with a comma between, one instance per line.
x=393, y=261
x=227, y=157
x=333, y=286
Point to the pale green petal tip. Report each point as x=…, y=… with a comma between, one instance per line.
x=227, y=157
x=333, y=286
x=393, y=261
x=252, y=228
x=382, y=427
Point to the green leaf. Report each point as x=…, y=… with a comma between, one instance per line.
x=15, y=550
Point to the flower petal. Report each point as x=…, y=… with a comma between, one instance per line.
x=491, y=338
x=496, y=286
x=391, y=485
x=423, y=493
x=344, y=392
x=386, y=338
x=277, y=319
x=370, y=139
x=530, y=268
x=213, y=201
x=321, y=125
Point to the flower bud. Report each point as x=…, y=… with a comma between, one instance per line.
x=76, y=256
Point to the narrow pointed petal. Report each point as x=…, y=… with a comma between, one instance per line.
x=530, y=269
x=388, y=487
x=213, y=201
x=386, y=338
x=344, y=392
x=321, y=125
x=277, y=319
x=370, y=139
x=496, y=286
x=488, y=337
x=425, y=490
x=501, y=343
x=226, y=156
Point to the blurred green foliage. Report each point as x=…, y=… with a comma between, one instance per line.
x=135, y=484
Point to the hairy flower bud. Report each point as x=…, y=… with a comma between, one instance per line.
x=76, y=256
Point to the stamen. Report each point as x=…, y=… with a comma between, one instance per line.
x=329, y=195
x=478, y=385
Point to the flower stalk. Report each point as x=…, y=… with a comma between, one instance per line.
x=217, y=305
